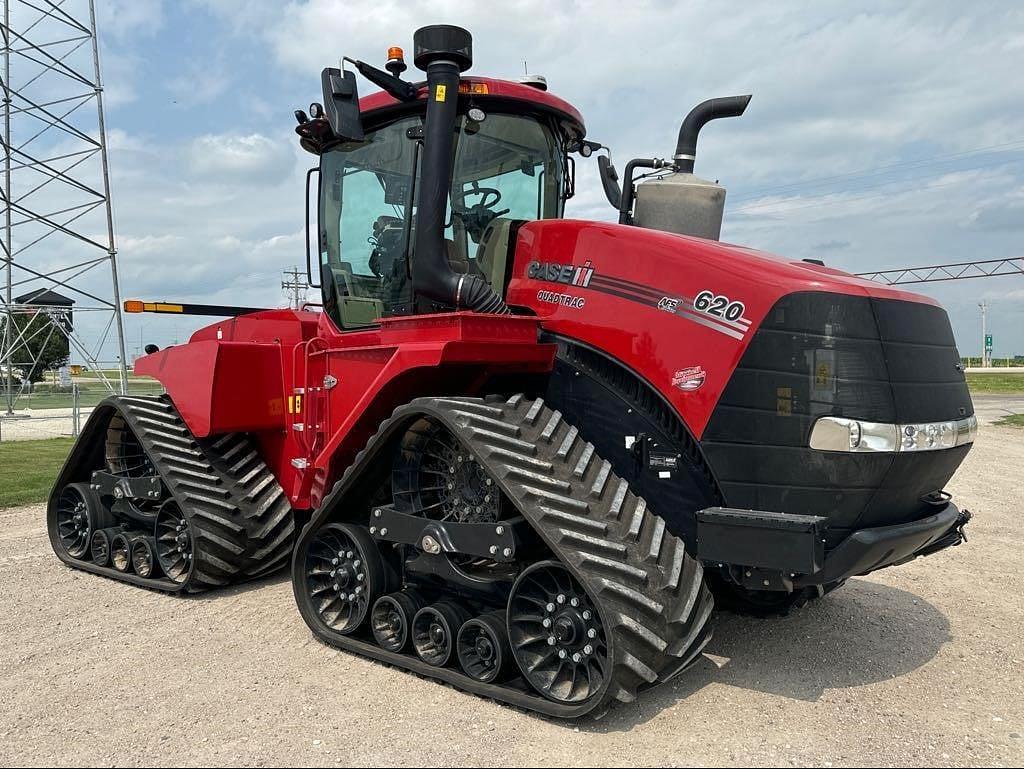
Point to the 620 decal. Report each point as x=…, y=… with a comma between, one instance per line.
x=718, y=305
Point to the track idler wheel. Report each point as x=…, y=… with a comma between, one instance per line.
x=144, y=557
x=483, y=648
x=121, y=552
x=556, y=634
x=173, y=542
x=391, y=619
x=100, y=546
x=79, y=514
x=344, y=575
x=434, y=630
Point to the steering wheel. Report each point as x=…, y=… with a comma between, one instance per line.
x=486, y=194
x=477, y=216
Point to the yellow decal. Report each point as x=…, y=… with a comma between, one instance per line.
x=784, y=401
x=822, y=376
x=162, y=307
x=439, y=93
x=275, y=407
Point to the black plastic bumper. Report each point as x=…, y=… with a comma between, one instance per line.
x=777, y=550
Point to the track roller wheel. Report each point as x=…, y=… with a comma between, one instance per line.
x=483, y=648
x=100, y=546
x=344, y=575
x=173, y=542
x=391, y=619
x=144, y=557
x=79, y=514
x=556, y=634
x=434, y=630
x=121, y=552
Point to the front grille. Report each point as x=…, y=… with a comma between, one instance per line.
x=821, y=354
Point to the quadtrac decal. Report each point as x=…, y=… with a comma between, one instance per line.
x=720, y=313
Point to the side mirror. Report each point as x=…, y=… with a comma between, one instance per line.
x=610, y=180
x=341, y=104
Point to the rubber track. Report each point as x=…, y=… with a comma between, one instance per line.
x=651, y=594
x=242, y=522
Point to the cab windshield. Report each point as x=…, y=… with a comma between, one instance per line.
x=506, y=169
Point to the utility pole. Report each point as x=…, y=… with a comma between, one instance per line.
x=984, y=334
x=296, y=285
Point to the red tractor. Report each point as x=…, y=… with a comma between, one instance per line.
x=517, y=453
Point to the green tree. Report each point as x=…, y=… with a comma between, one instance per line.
x=43, y=345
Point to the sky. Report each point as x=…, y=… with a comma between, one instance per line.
x=880, y=135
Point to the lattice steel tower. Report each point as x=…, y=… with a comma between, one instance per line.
x=58, y=226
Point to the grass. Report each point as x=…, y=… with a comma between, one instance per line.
x=29, y=468
x=1013, y=420
x=995, y=383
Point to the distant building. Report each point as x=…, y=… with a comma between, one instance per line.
x=58, y=307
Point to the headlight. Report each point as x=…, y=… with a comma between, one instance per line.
x=841, y=434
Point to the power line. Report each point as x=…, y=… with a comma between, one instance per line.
x=801, y=201
x=877, y=170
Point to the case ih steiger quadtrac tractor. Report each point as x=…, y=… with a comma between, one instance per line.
x=518, y=453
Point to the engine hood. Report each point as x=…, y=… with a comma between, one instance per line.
x=680, y=310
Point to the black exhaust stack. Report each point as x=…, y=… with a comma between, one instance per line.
x=703, y=113
x=443, y=52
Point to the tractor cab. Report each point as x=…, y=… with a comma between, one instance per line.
x=508, y=163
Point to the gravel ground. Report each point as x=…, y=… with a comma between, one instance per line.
x=920, y=665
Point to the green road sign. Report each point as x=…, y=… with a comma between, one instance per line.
x=988, y=341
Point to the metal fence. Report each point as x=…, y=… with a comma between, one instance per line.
x=59, y=412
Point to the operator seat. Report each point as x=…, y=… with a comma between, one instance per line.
x=354, y=310
x=460, y=262
x=492, y=253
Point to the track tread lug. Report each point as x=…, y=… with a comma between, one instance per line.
x=568, y=444
x=597, y=488
x=584, y=461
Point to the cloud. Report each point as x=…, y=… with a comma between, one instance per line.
x=200, y=84
x=1003, y=215
x=231, y=159
x=123, y=18
x=831, y=245
x=865, y=142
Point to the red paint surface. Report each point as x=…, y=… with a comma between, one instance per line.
x=240, y=374
x=495, y=88
x=652, y=342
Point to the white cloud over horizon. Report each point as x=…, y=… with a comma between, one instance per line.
x=879, y=135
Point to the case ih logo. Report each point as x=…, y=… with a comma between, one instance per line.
x=689, y=379
x=554, y=272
